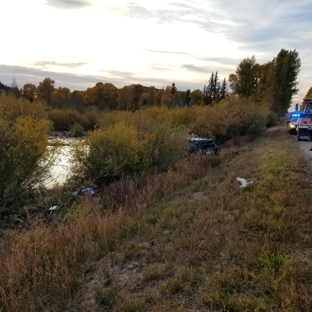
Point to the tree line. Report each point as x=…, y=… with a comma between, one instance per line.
x=273, y=84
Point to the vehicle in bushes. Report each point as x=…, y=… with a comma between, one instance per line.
x=304, y=124
x=202, y=146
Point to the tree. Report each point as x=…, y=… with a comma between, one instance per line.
x=137, y=91
x=246, y=78
x=110, y=94
x=103, y=96
x=14, y=90
x=61, y=97
x=125, y=98
x=159, y=96
x=272, y=84
x=45, y=90
x=214, y=91
x=287, y=67
x=177, y=99
x=278, y=81
x=309, y=93
x=207, y=92
x=223, y=90
x=215, y=88
x=197, y=97
x=173, y=89
x=167, y=97
x=151, y=99
x=78, y=100
x=187, y=98
x=29, y=91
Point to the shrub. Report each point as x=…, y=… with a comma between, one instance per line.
x=110, y=154
x=77, y=130
x=65, y=119
x=24, y=160
x=123, y=150
x=11, y=108
x=229, y=118
x=165, y=146
x=181, y=117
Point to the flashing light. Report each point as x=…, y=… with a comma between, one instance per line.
x=295, y=115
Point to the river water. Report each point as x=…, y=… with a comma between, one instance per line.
x=61, y=168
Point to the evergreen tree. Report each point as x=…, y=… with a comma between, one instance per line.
x=187, y=99
x=223, y=90
x=208, y=90
x=173, y=89
x=215, y=88
x=214, y=91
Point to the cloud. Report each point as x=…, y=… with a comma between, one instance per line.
x=133, y=10
x=163, y=51
x=25, y=75
x=48, y=64
x=263, y=26
x=176, y=12
x=120, y=79
x=199, y=69
x=221, y=60
x=68, y=4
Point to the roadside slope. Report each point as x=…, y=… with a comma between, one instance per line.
x=213, y=246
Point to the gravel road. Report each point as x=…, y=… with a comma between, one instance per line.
x=304, y=148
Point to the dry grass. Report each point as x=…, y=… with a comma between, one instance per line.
x=186, y=240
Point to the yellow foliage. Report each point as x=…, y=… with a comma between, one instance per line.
x=11, y=108
x=31, y=134
x=113, y=152
x=229, y=118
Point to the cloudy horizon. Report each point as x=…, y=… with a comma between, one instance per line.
x=78, y=43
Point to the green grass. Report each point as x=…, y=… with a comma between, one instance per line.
x=186, y=240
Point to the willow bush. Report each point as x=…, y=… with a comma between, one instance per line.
x=108, y=154
x=11, y=108
x=230, y=118
x=128, y=150
x=24, y=157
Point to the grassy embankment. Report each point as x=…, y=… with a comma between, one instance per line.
x=190, y=240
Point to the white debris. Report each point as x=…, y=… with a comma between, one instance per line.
x=243, y=182
x=53, y=208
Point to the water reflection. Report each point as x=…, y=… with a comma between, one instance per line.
x=61, y=168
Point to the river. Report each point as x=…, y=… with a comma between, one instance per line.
x=61, y=168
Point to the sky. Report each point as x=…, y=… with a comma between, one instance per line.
x=78, y=43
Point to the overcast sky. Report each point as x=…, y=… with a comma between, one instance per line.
x=81, y=42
